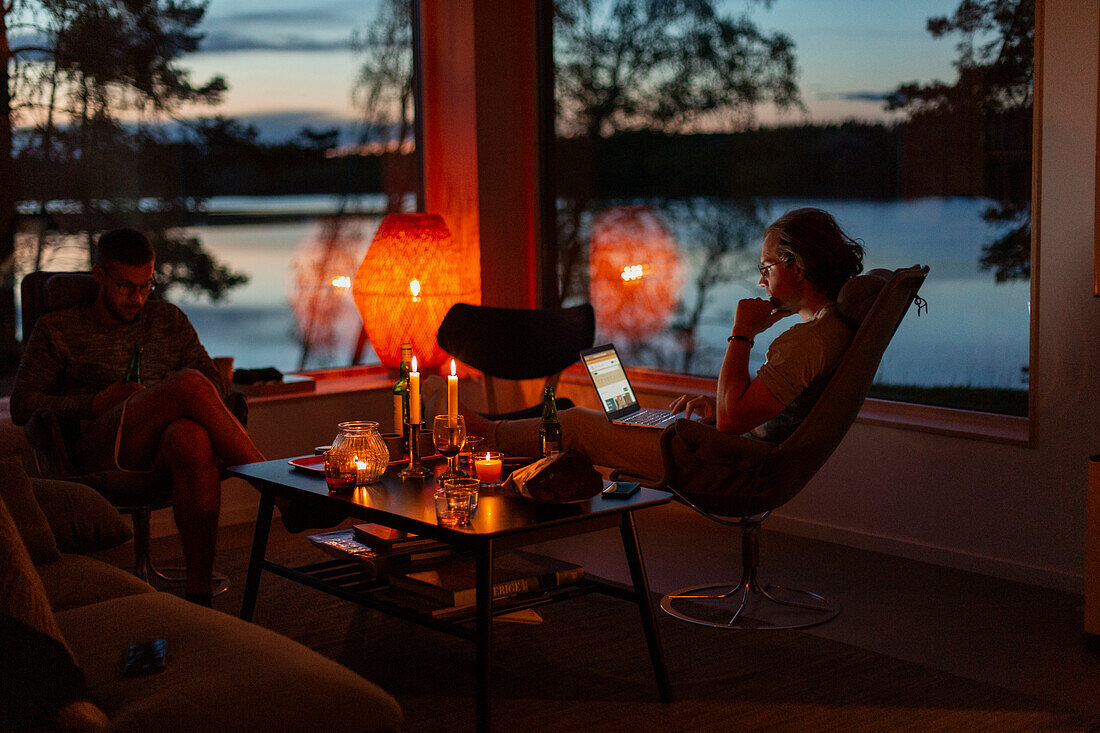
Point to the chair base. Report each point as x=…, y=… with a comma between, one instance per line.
x=749, y=606
x=174, y=575
x=143, y=563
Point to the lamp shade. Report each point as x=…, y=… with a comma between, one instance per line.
x=634, y=271
x=408, y=280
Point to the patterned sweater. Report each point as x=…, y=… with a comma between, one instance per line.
x=73, y=354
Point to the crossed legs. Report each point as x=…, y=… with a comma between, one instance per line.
x=181, y=425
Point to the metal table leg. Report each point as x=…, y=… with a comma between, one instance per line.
x=484, y=633
x=645, y=604
x=259, y=549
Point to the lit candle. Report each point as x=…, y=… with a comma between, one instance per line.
x=488, y=468
x=414, y=395
x=452, y=396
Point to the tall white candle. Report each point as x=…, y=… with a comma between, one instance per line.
x=414, y=395
x=452, y=396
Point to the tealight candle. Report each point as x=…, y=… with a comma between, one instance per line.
x=488, y=468
x=414, y=395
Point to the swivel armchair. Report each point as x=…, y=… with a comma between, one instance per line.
x=738, y=481
x=136, y=494
x=540, y=344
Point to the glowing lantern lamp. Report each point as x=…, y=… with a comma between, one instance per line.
x=405, y=285
x=634, y=271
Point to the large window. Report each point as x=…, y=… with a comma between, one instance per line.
x=259, y=141
x=683, y=129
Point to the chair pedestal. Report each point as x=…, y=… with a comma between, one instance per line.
x=748, y=605
x=143, y=562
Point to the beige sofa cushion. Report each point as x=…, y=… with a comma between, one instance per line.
x=15, y=490
x=75, y=581
x=222, y=673
x=38, y=675
x=81, y=519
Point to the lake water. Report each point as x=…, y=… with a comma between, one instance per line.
x=974, y=333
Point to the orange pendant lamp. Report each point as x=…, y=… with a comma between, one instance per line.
x=408, y=280
x=634, y=271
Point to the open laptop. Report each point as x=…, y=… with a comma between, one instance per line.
x=617, y=396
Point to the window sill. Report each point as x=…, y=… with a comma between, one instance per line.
x=334, y=382
x=966, y=424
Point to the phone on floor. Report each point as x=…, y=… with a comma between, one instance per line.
x=621, y=490
x=144, y=657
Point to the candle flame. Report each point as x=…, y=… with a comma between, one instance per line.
x=414, y=288
x=453, y=372
x=487, y=456
x=343, y=281
x=413, y=365
x=632, y=272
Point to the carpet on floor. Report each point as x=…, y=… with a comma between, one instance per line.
x=586, y=667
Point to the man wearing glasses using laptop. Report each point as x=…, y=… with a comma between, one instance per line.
x=805, y=259
x=173, y=420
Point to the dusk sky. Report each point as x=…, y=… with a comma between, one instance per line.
x=290, y=60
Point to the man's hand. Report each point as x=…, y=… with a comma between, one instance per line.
x=756, y=315
x=700, y=405
x=113, y=394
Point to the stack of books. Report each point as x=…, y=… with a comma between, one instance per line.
x=516, y=576
x=379, y=549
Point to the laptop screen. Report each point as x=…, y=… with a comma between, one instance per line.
x=609, y=378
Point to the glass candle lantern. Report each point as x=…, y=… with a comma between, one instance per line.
x=358, y=450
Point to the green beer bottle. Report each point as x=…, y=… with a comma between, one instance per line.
x=133, y=371
x=401, y=394
x=550, y=427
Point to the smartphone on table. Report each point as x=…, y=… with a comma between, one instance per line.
x=621, y=490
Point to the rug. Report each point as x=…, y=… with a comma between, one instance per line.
x=586, y=667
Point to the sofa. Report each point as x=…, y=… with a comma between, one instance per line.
x=66, y=620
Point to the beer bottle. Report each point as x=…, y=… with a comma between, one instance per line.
x=133, y=371
x=401, y=394
x=550, y=427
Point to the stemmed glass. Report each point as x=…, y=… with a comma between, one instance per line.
x=449, y=435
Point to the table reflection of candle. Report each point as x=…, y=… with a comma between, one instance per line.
x=414, y=395
x=488, y=468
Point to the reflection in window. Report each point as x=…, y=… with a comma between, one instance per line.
x=261, y=164
x=912, y=125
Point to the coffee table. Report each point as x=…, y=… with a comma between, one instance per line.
x=501, y=522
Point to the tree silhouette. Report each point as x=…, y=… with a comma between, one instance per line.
x=71, y=70
x=669, y=65
x=995, y=67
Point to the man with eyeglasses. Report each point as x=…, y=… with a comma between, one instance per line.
x=174, y=420
x=805, y=260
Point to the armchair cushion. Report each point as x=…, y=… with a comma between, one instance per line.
x=41, y=685
x=82, y=520
x=27, y=515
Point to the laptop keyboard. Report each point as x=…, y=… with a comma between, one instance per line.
x=649, y=416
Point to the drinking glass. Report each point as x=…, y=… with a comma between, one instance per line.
x=449, y=434
x=455, y=500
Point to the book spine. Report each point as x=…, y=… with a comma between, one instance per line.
x=468, y=596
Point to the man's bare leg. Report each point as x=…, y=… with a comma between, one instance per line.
x=185, y=452
x=186, y=394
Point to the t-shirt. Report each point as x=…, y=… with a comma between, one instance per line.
x=72, y=354
x=798, y=363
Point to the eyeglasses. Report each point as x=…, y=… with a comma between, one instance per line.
x=128, y=288
x=764, y=268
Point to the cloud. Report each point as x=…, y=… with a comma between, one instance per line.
x=229, y=42
x=875, y=97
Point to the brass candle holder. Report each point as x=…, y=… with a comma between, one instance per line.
x=415, y=470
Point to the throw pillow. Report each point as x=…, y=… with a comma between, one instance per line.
x=15, y=490
x=81, y=519
x=38, y=674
